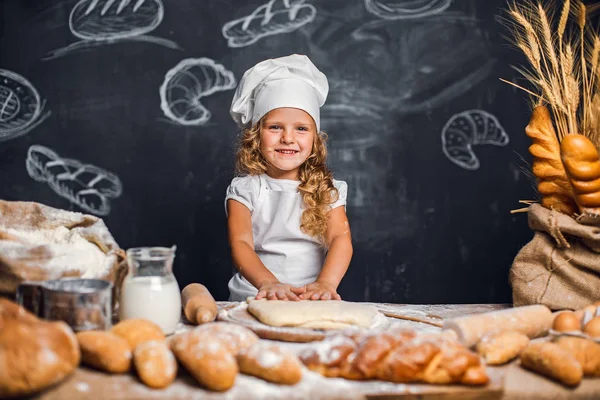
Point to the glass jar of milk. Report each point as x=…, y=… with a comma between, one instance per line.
x=150, y=290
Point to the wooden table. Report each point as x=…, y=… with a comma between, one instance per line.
x=507, y=382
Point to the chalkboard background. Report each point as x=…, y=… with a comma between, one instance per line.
x=428, y=227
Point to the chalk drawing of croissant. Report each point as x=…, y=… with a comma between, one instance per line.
x=467, y=129
x=277, y=16
x=85, y=185
x=98, y=22
x=21, y=108
x=187, y=83
x=402, y=9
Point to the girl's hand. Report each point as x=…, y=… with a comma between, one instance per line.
x=279, y=291
x=320, y=291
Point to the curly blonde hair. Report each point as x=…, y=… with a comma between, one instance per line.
x=316, y=180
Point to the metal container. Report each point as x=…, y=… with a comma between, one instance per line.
x=84, y=304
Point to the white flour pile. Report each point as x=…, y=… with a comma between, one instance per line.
x=69, y=250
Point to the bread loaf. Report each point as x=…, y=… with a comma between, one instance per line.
x=235, y=337
x=400, y=356
x=586, y=351
x=533, y=321
x=155, y=364
x=207, y=358
x=199, y=306
x=553, y=183
x=136, y=331
x=271, y=363
x=550, y=360
x=500, y=348
x=34, y=354
x=105, y=351
x=582, y=164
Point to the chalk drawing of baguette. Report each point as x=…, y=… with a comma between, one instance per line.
x=402, y=9
x=277, y=16
x=85, y=185
x=98, y=22
x=467, y=129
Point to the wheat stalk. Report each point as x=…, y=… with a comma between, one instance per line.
x=581, y=21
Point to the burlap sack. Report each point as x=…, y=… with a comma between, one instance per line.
x=24, y=256
x=560, y=266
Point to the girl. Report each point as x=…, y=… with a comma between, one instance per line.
x=288, y=232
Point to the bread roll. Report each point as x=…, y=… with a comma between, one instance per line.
x=105, y=351
x=155, y=364
x=271, y=363
x=586, y=351
x=533, y=321
x=550, y=360
x=500, y=348
x=207, y=358
x=553, y=183
x=34, y=354
x=199, y=306
x=136, y=331
x=235, y=337
x=582, y=164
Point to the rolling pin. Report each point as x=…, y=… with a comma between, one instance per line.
x=533, y=321
x=199, y=306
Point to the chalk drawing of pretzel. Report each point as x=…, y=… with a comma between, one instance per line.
x=277, y=16
x=98, y=22
x=187, y=83
x=467, y=129
x=402, y=9
x=21, y=108
x=85, y=185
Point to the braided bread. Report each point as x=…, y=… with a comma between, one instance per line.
x=396, y=355
x=582, y=163
x=553, y=184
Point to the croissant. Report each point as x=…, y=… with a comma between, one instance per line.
x=582, y=163
x=553, y=183
x=397, y=355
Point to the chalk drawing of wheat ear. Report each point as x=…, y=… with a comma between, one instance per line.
x=187, y=83
x=112, y=19
x=85, y=185
x=275, y=17
x=467, y=129
x=402, y=9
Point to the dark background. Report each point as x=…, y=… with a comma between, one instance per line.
x=424, y=229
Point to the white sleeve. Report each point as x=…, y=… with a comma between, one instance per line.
x=342, y=188
x=244, y=190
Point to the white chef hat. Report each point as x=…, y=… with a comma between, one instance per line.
x=291, y=81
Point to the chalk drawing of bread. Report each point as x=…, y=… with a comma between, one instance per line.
x=277, y=16
x=85, y=185
x=20, y=106
x=402, y=9
x=114, y=19
x=467, y=129
x=187, y=83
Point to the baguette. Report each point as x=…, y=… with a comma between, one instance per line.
x=582, y=164
x=500, y=348
x=551, y=360
x=553, y=183
x=199, y=306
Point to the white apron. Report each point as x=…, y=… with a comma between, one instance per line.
x=276, y=206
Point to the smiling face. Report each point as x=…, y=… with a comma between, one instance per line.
x=286, y=141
